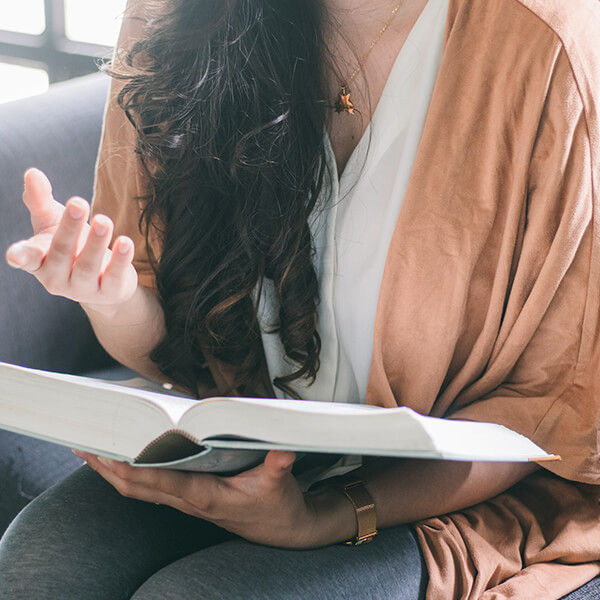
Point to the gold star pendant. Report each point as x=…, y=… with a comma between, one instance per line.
x=343, y=103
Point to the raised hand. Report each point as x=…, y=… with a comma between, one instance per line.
x=70, y=257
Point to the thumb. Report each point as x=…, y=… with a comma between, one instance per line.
x=44, y=210
x=279, y=463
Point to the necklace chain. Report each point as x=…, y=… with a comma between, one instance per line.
x=343, y=103
x=374, y=43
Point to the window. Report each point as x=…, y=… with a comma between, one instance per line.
x=18, y=81
x=44, y=41
x=93, y=21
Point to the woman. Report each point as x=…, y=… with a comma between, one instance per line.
x=436, y=248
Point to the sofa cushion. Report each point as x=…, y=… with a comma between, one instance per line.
x=59, y=133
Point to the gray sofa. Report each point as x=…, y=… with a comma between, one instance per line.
x=59, y=133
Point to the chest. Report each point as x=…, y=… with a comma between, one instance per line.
x=364, y=72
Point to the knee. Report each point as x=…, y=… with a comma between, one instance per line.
x=56, y=514
x=32, y=529
x=37, y=544
x=48, y=549
x=30, y=552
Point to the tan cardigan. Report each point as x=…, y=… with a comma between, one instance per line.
x=490, y=302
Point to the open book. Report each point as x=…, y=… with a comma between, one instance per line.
x=226, y=435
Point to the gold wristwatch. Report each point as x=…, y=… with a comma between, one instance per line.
x=364, y=507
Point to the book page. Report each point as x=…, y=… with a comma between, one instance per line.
x=327, y=427
x=303, y=406
x=487, y=441
x=171, y=403
x=84, y=413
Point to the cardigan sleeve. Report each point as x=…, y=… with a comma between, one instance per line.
x=539, y=538
x=489, y=306
x=545, y=358
x=121, y=184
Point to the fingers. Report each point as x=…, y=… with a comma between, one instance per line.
x=69, y=257
x=18, y=255
x=165, y=481
x=96, y=270
x=60, y=245
x=89, y=263
x=118, y=273
x=57, y=250
x=64, y=247
x=44, y=210
x=279, y=463
x=29, y=254
x=160, y=486
x=75, y=260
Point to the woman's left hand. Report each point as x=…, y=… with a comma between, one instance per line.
x=263, y=505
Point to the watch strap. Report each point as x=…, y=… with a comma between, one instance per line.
x=364, y=507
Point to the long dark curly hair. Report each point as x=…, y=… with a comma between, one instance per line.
x=228, y=100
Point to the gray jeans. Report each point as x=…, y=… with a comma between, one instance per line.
x=81, y=540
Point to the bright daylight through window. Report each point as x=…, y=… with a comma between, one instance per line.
x=80, y=29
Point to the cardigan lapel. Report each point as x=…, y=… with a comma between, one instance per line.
x=441, y=322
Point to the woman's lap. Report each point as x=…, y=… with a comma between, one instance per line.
x=81, y=539
x=390, y=569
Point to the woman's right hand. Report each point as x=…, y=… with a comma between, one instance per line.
x=69, y=257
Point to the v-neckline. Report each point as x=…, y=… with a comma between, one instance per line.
x=407, y=47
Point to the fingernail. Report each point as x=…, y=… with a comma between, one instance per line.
x=19, y=257
x=79, y=455
x=123, y=247
x=100, y=228
x=75, y=211
x=107, y=462
x=30, y=170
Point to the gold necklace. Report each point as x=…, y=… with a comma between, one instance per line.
x=343, y=102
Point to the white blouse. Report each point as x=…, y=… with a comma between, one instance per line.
x=353, y=231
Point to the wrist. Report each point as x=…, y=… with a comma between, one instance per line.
x=364, y=508
x=335, y=517
x=108, y=311
x=102, y=311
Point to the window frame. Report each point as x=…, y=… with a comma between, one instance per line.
x=51, y=50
